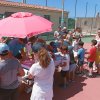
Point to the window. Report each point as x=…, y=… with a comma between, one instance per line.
x=85, y=23
x=1, y=15
x=60, y=20
x=7, y=14
x=47, y=17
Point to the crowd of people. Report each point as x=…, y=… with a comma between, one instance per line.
x=65, y=54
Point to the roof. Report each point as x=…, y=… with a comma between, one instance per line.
x=19, y=4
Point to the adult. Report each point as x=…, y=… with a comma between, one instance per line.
x=70, y=37
x=42, y=71
x=97, y=37
x=16, y=47
x=32, y=39
x=57, y=34
x=6, y=39
x=10, y=69
x=78, y=33
x=64, y=31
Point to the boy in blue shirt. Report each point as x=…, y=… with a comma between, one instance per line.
x=80, y=55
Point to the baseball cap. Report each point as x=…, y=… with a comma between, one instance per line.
x=36, y=47
x=4, y=48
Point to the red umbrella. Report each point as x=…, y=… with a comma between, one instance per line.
x=23, y=24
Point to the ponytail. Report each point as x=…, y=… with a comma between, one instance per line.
x=44, y=58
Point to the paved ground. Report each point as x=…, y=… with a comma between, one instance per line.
x=87, y=39
x=83, y=89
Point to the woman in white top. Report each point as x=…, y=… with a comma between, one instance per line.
x=98, y=37
x=42, y=72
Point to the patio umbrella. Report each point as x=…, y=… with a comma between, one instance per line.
x=24, y=24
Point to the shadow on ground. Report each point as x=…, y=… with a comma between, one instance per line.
x=70, y=91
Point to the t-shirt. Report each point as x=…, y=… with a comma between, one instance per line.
x=15, y=47
x=66, y=59
x=71, y=54
x=80, y=54
x=75, y=46
x=43, y=77
x=8, y=73
x=98, y=40
x=58, y=58
x=56, y=35
x=92, y=54
x=65, y=43
x=77, y=34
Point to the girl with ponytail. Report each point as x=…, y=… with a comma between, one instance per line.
x=42, y=71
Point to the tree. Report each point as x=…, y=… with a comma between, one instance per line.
x=71, y=23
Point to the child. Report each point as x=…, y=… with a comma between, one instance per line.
x=92, y=57
x=50, y=51
x=72, y=65
x=80, y=56
x=65, y=66
x=97, y=62
x=53, y=45
x=75, y=46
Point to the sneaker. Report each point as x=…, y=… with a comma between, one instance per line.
x=90, y=76
x=98, y=75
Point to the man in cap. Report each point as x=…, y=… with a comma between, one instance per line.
x=16, y=47
x=10, y=69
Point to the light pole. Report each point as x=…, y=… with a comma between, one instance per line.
x=95, y=11
x=46, y=3
x=86, y=10
x=92, y=23
x=75, y=12
x=23, y=1
x=62, y=17
x=86, y=16
x=75, y=7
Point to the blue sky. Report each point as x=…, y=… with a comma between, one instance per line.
x=69, y=5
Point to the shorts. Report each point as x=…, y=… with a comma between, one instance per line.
x=72, y=67
x=64, y=73
x=80, y=63
x=90, y=64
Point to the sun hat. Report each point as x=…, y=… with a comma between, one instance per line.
x=4, y=48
